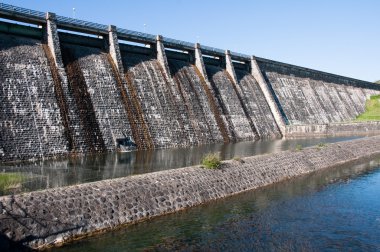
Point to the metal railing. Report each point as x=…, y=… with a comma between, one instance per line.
x=212, y=50
x=14, y=10
x=177, y=43
x=240, y=56
x=76, y=24
x=135, y=35
x=66, y=21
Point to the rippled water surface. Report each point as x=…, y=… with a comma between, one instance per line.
x=48, y=174
x=332, y=210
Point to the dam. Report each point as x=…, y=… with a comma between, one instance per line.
x=70, y=86
x=72, y=92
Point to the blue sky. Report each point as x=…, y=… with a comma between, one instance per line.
x=341, y=37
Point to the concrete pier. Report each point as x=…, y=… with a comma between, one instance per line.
x=256, y=72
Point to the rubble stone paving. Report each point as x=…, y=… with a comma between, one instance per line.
x=56, y=215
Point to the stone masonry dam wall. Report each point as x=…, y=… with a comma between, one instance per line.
x=63, y=92
x=30, y=119
x=44, y=218
x=194, y=96
x=311, y=97
x=99, y=105
x=162, y=107
x=257, y=106
x=239, y=123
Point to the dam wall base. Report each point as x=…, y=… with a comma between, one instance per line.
x=54, y=216
x=333, y=129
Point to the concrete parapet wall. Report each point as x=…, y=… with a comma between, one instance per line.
x=333, y=129
x=314, y=74
x=48, y=217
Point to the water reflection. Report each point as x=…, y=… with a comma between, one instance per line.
x=331, y=210
x=75, y=170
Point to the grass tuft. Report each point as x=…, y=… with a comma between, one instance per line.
x=298, y=147
x=211, y=161
x=10, y=180
x=321, y=145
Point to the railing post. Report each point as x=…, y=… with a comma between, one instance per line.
x=199, y=63
x=161, y=56
x=230, y=67
x=52, y=38
x=114, y=49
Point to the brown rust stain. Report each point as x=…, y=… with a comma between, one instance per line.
x=214, y=108
x=140, y=134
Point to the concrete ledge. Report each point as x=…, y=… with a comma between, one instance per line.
x=333, y=129
x=49, y=217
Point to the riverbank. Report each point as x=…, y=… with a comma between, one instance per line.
x=49, y=217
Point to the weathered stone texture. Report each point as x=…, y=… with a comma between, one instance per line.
x=333, y=129
x=30, y=120
x=233, y=112
x=196, y=101
x=168, y=121
x=309, y=97
x=257, y=106
x=101, y=85
x=80, y=94
x=55, y=215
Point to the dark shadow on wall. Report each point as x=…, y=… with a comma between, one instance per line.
x=211, y=71
x=8, y=41
x=175, y=66
x=78, y=88
x=7, y=245
x=134, y=59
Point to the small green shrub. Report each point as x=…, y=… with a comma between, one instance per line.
x=321, y=145
x=211, y=161
x=298, y=147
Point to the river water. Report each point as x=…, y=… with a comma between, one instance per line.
x=82, y=169
x=331, y=210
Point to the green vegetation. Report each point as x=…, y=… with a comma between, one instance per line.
x=321, y=145
x=10, y=180
x=372, y=110
x=298, y=147
x=211, y=161
x=378, y=82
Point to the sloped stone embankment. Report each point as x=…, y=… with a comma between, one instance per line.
x=44, y=218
